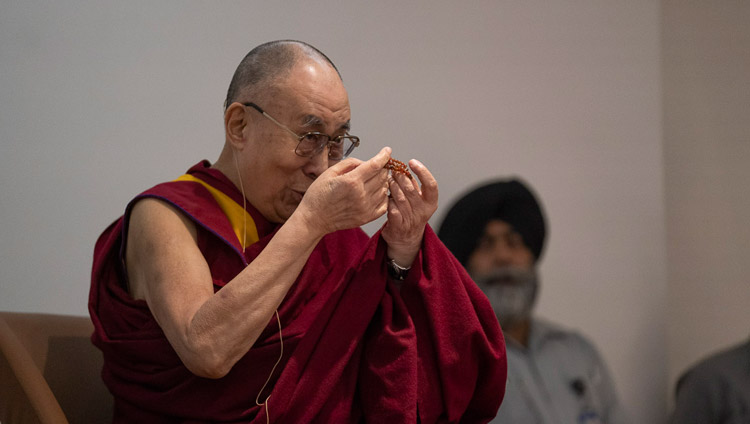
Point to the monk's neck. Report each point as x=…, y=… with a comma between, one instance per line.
x=226, y=165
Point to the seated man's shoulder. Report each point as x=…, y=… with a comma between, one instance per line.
x=727, y=364
x=553, y=331
x=554, y=335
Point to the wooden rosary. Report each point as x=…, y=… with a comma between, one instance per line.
x=395, y=165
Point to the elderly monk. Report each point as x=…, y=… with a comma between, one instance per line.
x=245, y=291
x=555, y=375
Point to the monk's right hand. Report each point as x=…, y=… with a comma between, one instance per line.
x=348, y=194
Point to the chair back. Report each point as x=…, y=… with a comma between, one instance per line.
x=50, y=372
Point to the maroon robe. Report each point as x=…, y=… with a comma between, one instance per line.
x=356, y=347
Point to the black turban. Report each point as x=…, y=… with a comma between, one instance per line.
x=509, y=201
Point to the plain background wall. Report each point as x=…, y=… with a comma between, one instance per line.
x=101, y=100
x=706, y=53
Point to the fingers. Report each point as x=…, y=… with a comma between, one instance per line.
x=409, y=188
x=373, y=175
x=410, y=207
x=403, y=190
x=382, y=157
x=429, y=186
x=373, y=166
x=346, y=165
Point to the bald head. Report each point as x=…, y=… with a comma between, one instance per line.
x=268, y=63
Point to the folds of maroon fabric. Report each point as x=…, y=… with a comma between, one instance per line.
x=356, y=347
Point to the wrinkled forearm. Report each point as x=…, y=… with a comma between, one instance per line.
x=227, y=324
x=404, y=253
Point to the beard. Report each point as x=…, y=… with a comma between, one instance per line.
x=511, y=291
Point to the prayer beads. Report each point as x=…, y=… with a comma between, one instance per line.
x=395, y=165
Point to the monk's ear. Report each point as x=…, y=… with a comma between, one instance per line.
x=235, y=122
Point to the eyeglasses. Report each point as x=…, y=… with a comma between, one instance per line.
x=312, y=143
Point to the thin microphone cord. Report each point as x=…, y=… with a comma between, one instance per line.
x=278, y=320
x=257, y=398
x=244, y=202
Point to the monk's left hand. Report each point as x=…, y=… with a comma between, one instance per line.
x=410, y=206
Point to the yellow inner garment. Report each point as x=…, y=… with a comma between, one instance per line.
x=239, y=218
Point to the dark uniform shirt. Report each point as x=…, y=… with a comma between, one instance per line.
x=717, y=390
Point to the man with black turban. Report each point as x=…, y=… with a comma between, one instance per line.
x=497, y=232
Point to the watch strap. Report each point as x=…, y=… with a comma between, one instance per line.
x=396, y=271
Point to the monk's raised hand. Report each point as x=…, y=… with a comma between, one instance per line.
x=412, y=203
x=348, y=194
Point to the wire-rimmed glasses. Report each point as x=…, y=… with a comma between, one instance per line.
x=312, y=143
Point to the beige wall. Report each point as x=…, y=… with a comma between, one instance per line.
x=706, y=56
x=100, y=100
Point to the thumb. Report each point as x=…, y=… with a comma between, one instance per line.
x=376, y=163
x=382, y=157
x=345, y=166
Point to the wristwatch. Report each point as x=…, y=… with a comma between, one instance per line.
x=396, y=271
